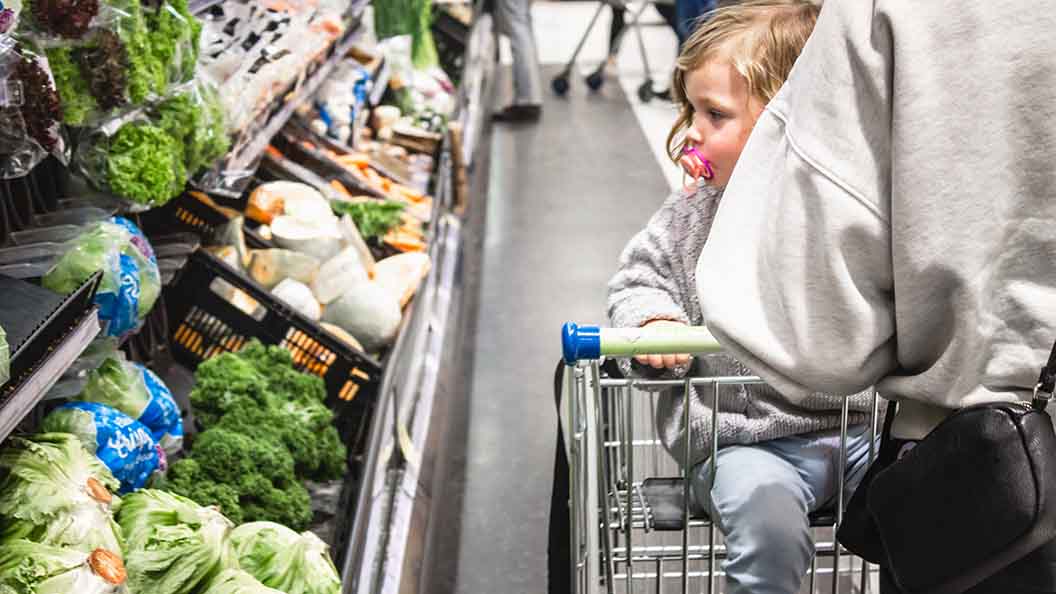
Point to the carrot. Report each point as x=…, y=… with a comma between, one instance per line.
x=341, y=189
x=274, y=152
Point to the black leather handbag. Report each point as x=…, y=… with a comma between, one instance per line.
x=975, y=495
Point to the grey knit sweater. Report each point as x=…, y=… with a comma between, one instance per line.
x=656, y=281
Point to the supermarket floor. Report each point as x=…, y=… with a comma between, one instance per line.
x=564, y=197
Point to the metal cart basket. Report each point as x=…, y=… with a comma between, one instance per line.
x=632, y=529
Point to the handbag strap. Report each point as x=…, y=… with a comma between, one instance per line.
x=1046, y=382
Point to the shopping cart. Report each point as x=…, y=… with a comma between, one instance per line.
x=596, y=79
x=631, y=526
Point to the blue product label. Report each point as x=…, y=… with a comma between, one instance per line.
x=124, y=445
x=161, y=416
x=138, y=239
x=126, y=306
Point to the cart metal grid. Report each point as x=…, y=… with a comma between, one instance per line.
x=632, y=530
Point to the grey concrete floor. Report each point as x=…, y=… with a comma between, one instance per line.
x=565, y=196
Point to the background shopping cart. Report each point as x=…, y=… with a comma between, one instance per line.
x=631, y=526
x=596, y=79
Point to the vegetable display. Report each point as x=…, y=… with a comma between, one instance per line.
x=283, y=559
x=131, y=280
x=174, y=546
x=195, y=119
x=373, y=218
x=145, y=165
x=123, y=444
x=236, y=581
x=137, y=392
x=32, y=568
x=266, y=429
x=54, y=492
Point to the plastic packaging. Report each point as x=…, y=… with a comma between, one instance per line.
x=133, y=159
x=29, y=111
x=195, y=118
x=136, y=391
x=122, y=443
x=131, y=281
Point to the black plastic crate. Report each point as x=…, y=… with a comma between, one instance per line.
x=188, y=212
x=204, y=322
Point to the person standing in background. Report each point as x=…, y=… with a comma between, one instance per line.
x=513, y=18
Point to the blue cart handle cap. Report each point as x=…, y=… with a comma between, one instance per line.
x=580, y=342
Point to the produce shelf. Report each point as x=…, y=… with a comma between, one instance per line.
x=46, y=333
x=227, y=177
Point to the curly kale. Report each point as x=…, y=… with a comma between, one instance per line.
x=249, y=479
x=104, y=63
x=145, y=165
x=222, y=381
x=276, y=364
x=76, y=96
x=266, y=428
x=304, y=428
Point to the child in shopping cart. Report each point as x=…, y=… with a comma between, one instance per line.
x=777, y=461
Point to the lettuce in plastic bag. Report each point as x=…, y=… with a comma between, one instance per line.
x=131, y=281
x=139, y=393
x=283, y=559
x=122, y=443
x=174, y=546
x=236, y=581
x=54, y=492
x=31, y=568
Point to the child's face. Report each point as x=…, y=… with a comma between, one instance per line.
x=724, y=114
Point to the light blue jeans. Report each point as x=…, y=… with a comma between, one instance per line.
x=761, y=498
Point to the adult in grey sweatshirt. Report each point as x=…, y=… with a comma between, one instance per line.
x=656, y=281
x=892, y=219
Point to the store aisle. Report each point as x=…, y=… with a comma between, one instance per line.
x=565, y=195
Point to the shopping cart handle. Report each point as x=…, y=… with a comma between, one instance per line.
x=591, y=342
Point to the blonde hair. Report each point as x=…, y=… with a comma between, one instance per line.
x=760, y=38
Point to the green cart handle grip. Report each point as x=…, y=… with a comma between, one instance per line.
x=592, y=342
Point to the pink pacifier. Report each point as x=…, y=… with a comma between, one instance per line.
x=692, y=150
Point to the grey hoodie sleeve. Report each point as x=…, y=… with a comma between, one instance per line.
x=798, y=265
x=645, y=288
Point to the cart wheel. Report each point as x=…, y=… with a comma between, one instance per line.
x=645, y=91
x=595, y=80
x=560, y=84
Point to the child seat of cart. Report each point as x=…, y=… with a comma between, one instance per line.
x=661, y=499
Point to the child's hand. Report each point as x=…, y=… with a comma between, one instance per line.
x=662, y=361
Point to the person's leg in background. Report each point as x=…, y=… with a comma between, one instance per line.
x=513, y=18
x=688, y=14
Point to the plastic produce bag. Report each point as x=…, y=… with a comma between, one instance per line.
x=134, y=159
x=67, y=19
x=174, y=37
x=195, y=118
x=131, y=281
x=121, y=442
x=174, y=546
x=137, y=392
x=283, y=559
x=30, y=111
x=30, y=568
x=55, y=492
